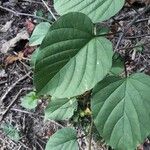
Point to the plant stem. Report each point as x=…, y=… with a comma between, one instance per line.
x=15, y=13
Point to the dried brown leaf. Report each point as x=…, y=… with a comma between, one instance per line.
x=12, y=43
x=12, y=58
x=6, y=27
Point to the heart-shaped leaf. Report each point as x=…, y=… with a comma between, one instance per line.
x=64, y=139
x=71, y=60
x=60, y=109
x=97, y=10
x=121, y=110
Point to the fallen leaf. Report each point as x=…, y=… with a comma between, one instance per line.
x=12, y=58
x=28, y=50
x=23, y=34
x=2, y=73
x=29, y=25
x=6, y=27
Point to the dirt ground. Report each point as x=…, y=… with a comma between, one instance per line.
x=16, y=75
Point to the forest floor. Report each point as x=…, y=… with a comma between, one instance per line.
x=16, y=77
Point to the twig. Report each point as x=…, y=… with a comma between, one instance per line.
x=31, y=1
x=23, y=14
x=132, y=47
x=13, y=86
x=3, y=82
x=49, y=10
x=128, y=15
x=7, y=109
x=129, y=25
x=39, y=145
x=23, y=145
x=132, y=6
x=26, y=112
x=90, y=134
x=10, y=105
x=137, y=36
x=142, y=20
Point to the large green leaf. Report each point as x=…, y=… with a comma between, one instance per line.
x=121, y=110
x=33, y=58
x=64, y=139
x=71, y=60
x=97, y=10
x=60, y=109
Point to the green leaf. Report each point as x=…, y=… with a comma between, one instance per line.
x=118, y=65
x=39, y=33
x=97, y=10
x=64, y=139
x=11, y=132
x=100, y=30
x=30, y=101
x=121, y=110
x=71, y=60
x=33, y=57
x=60, y=109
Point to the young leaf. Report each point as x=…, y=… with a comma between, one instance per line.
x=60, y=109
x=71, y=60
x=30, y=101
x=117, y=65
x=121, y=110
x=97, y=10
x=64, y=139
x=39, y=33
x=100, y=30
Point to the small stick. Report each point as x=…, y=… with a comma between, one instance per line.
x=132, y=7
x=30, y=113
x=129, y=25
x=39, y=145
x=23, y=14
x=7, y=109
x=137, y=36
x=10, y=105
x=13, y=86
x=49, y=9
x=132, y=47
x=142, y=20
x=31, y=1
x=90, y=134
